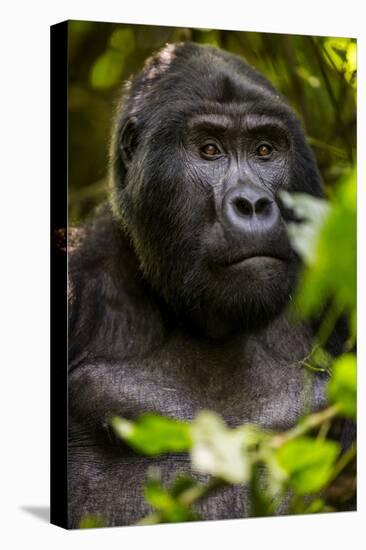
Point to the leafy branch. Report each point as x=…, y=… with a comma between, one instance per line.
x=266, y=442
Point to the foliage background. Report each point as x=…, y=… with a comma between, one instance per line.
x=316, y=74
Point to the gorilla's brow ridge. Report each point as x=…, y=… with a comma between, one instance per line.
x=249, y=121
x=216, y=121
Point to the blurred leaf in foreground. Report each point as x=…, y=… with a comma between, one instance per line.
x=308, y=462
x=167, y=501
x=342, y=386
x=153, y=434
x=330, y=256
x=220, y=451
x=91, y=522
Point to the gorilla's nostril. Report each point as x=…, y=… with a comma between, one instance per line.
x=243, y=206
x=262, y=206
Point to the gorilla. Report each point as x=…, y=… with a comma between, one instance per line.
x=178, y=286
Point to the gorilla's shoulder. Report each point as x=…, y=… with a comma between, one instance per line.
x=107, y=298
x=98, y=248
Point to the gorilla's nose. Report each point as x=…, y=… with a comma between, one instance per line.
x=249, y=208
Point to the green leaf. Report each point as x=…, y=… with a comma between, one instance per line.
x=179, y=513
x=107, y=69
x=156, y=495
x=123, y=40
x=91, y=522
x=182, y=483
x=318, y=505
x=341, y=53
x=220, y=451
x=261, y=501
x=276, y=475
x=308, y=463
x=328, y=246
x=166, y=501
x=342, y=387
x=153, y=434
x=337, y=50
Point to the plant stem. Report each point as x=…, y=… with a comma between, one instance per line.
x=345, y=458
x=151, y=519
x=312, y=421
x=198, y=492
x=328, y=323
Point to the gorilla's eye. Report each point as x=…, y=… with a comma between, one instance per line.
x=264, y=150
x=210, y=150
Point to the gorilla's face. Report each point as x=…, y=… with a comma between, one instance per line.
x=203, y=161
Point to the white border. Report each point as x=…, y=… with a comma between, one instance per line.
x=24, y=233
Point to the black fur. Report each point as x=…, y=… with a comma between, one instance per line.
x=178, y=287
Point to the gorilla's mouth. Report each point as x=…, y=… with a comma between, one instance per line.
x=252, y=259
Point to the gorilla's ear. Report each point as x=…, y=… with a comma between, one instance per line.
x=128, y=140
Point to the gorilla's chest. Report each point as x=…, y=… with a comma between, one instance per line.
x=260, y=379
